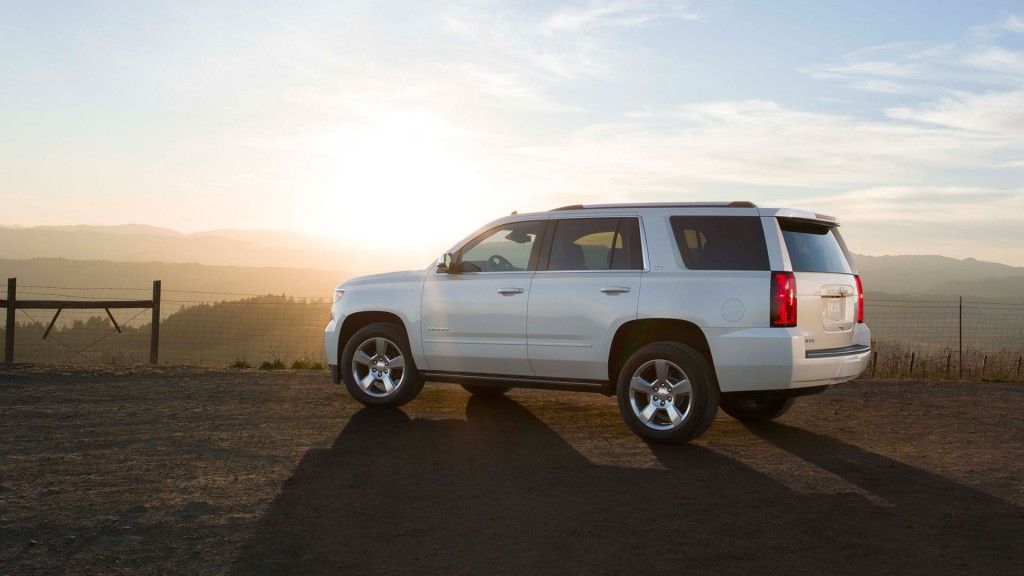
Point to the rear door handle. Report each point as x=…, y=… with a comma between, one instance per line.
x=509, y=291
x=615, y=289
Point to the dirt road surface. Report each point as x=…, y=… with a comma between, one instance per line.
x=187, y=471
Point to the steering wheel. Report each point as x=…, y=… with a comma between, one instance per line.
x=499, y=263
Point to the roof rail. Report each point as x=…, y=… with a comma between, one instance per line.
x=733, y=204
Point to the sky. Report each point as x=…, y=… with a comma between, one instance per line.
x=406, y=125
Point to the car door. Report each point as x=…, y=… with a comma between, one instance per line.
x=474, y=318
x=587, y=285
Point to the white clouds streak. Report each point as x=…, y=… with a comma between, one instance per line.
x=928, y=205
x=620, y=14
x=532, y=51
x=761, y=143
x=980, y=61
x=997, y=113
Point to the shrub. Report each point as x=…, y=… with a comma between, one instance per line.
x=277, y=364
x=308, y=363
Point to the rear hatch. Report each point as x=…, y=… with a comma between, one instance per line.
x=826, y=285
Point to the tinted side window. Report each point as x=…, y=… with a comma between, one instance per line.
x=721, y=242
x=506, y=248
x=628, y=254
x=595, y=244
x=814, y=248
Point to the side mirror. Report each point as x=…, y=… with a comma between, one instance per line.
x=446, y=264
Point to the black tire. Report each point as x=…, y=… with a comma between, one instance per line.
x=675, y=412
x=483, y=390
x=378, y=369
x=755, y=410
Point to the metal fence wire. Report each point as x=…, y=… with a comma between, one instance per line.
x=956, y=338
x=196, y=328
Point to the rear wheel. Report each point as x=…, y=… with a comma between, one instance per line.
x=759, y=410
x=482, y=390
x=377, y=367
x=666, y=393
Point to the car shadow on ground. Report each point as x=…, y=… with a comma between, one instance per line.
x=502, y=493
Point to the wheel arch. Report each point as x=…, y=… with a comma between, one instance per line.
x=357, y=320
x=635, y=334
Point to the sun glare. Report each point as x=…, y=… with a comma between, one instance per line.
x=388, y=181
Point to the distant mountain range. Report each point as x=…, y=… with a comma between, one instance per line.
x=273, y=262
x=939, y=276
x=56, y=278
x=138, y=243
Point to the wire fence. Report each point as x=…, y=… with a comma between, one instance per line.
x=924, y=339
x=955, y=338
x=196, y=328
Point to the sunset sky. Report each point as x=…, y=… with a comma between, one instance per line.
x=406, y=125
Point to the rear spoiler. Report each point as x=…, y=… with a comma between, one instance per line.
x=802, y=215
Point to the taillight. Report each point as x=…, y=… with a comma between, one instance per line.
x=860, y=300
x=783, y=299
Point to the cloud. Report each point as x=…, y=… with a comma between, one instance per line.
x=619, y=14
x=762, y=143
x=995, y=59
x=1000, y=113
x=983, y=59
x=935, y=205
x=955, y=221
x=974, y=86
x=1010, y=24
x=551, y=47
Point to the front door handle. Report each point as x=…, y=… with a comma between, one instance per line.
x=615, y=289
x=510, y=291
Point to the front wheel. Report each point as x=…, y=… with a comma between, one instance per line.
x=377, y=367
x=667, y=393
x=760, y=410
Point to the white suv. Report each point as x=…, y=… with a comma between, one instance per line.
x=675, y=308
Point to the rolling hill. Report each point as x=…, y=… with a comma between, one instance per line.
x=42, y=278
x=260, y=262
x=247, y=248
x=940, y=276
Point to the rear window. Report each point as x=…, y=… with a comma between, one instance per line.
x=721, y=242
x=814, y=248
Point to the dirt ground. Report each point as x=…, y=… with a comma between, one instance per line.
x=186, y=471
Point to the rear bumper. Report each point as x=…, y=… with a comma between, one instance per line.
x=776, y=359
x=838, y=352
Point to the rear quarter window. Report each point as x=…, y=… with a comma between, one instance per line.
x=720, y=242
x=814, y=248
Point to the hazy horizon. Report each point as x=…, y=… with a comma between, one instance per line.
x=273, y=248
x=402, y=126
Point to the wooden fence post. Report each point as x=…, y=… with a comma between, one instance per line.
x=154, y=338
x=12, y=304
